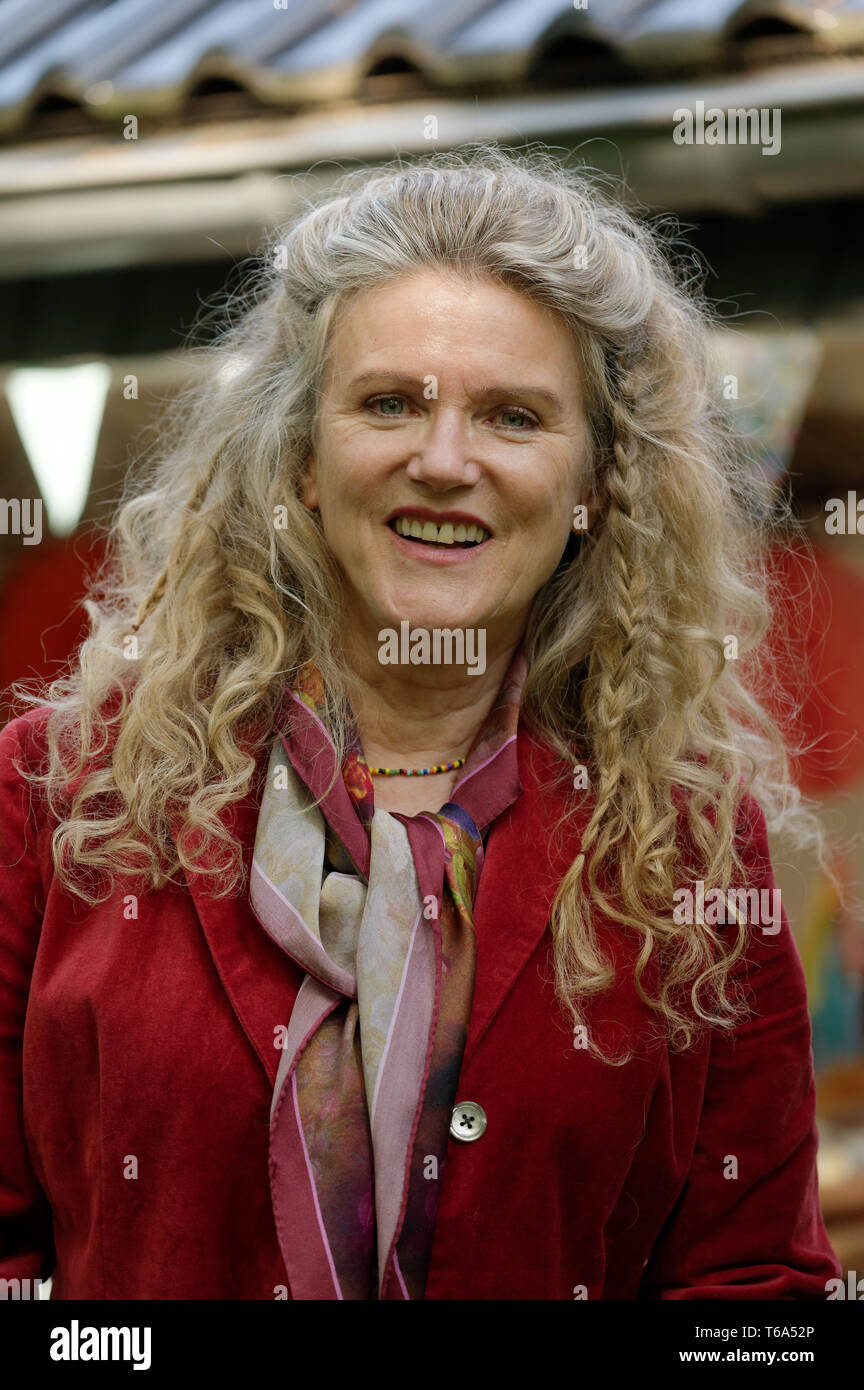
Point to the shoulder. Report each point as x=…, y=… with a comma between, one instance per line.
x=24, y=740
x=23, y=746
x=26, y=732
x=25, y=761
x=24, y=756
x=24, y=832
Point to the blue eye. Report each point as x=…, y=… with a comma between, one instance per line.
x=523, y=416
x=387, y=400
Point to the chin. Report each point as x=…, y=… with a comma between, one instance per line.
x=422, y=609
x=420, y=616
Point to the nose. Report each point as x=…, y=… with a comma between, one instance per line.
x=444, y=461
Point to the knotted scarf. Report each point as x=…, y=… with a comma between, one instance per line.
x=377, y=909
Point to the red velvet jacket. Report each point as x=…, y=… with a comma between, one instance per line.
x=146, y=1043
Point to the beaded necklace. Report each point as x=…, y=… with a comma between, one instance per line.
x=416, y=771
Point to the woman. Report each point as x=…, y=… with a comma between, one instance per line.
x=358, y=845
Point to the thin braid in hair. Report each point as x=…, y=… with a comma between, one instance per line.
x=611, y=669
x=150, y=601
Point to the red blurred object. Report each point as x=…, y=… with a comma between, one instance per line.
x=817, y=633
x=42, y=622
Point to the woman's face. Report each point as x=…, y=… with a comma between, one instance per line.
x=454, y=404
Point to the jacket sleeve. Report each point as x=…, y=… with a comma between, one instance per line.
x=26, y=1239
x=747, y=1224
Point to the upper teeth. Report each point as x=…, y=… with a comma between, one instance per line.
x=445, y=534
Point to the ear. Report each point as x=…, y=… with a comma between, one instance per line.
x=309, y=484
x=585, y=519
x=596, y=505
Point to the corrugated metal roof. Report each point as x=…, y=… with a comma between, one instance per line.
x=321, y=82
x=153, y=57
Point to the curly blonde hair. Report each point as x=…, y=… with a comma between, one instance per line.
x=214, y=548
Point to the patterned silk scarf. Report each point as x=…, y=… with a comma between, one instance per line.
x=377, y=908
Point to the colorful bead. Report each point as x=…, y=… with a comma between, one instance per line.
x=417, y=771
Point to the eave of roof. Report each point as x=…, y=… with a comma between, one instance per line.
x=187, y=194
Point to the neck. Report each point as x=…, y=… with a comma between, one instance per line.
x=416, y=716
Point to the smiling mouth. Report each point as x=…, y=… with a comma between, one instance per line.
x=449, y=535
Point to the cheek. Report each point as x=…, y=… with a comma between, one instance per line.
x=341, y=490
x=353, y=477
x=543, y=516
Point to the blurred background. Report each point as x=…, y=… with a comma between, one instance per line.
x=145, y=146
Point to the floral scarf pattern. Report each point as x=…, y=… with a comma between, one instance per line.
x=377, y=909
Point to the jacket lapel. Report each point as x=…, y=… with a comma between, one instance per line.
x=261, y=981
x=525, y=861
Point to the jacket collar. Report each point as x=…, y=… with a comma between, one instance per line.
x=524, y=863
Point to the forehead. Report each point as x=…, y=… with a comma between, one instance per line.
x=424, y=318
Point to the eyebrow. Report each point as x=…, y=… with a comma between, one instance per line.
x=500, y=390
